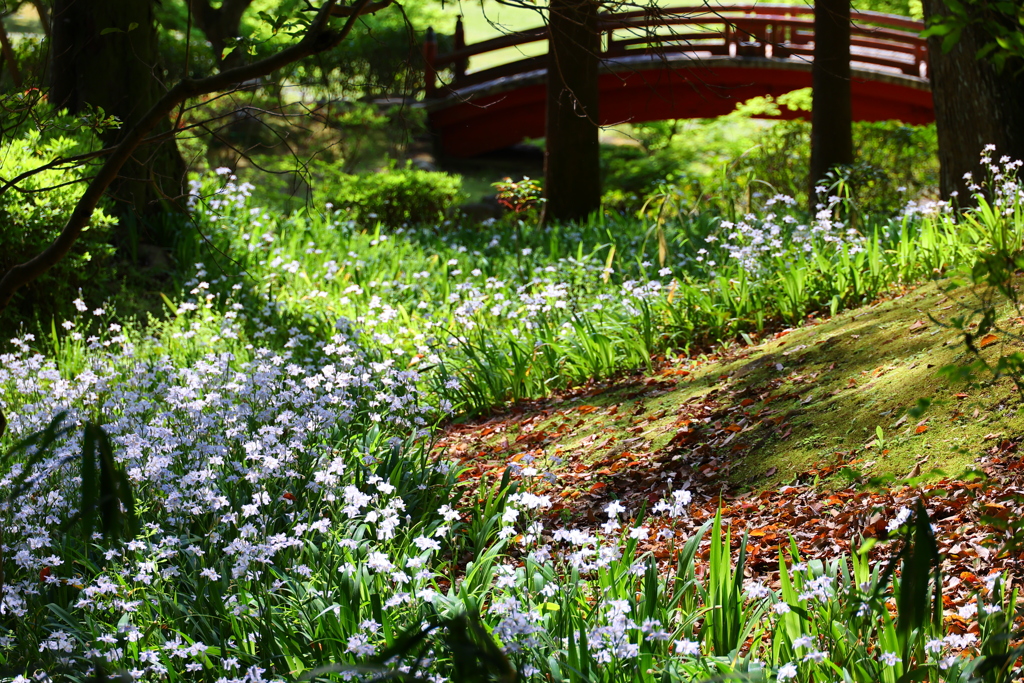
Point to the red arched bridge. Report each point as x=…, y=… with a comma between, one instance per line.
x=687, y=62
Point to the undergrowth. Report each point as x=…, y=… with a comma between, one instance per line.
x=274, y=430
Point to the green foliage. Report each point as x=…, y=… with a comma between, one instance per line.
x=631, y=174
x=381, y=57
x=106, y=489
x=529, y=311
x=470, y=653
x=392, y=197
x=182, y=58
x=461, y=317
x=726, y=631
x=997, y=221
x=895, y=162
x=685, y=157
x=34, y=211
x=32, y=55
x=906, y=8
x=1001, y=22
x=732, y=165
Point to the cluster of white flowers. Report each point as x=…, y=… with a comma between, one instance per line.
x=760, y=243
x=675, y=505
x=215, y=201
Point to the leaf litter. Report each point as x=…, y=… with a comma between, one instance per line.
x=721, y=425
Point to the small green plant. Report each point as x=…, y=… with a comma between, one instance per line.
x=519, y=196
x=997, y=219
x=880, y=442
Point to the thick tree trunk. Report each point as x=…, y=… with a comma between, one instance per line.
x=572, y=174
x=832, y=110
x=974, y=106
x=105, y=55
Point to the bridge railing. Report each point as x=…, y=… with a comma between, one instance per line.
x=767, y=31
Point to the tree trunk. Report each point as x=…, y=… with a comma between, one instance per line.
x=832, y=110
x=105, y=55
x=219, y=24
x=572, y=173
x=974, y=106
x=44, y=15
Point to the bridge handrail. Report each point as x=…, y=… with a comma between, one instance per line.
x=687, y=15
x=880, y=18
x=904, y=37
x=748, y=25
x=621, y=22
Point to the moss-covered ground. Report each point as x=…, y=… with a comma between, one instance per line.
x=830, y=403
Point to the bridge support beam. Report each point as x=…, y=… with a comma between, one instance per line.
x=572, y=173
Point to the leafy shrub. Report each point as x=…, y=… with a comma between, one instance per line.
x=32, y=56
x=394, y=197
x=34, y=212
x=895, y=162
x=632, y=173
x=733, y=164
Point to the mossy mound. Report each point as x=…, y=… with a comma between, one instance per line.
x=832, y=401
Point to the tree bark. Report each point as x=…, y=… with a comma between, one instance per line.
x=572, y=173
x=832, y=110
x=219, y=24
x=44, y=15
x=105, y=55
x=974, y=106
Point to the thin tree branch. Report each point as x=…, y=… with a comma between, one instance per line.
x=360, y=8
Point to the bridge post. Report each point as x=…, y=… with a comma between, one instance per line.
x=750, y=38
x=461, y=65
x=779, y=37
x=429, y=56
